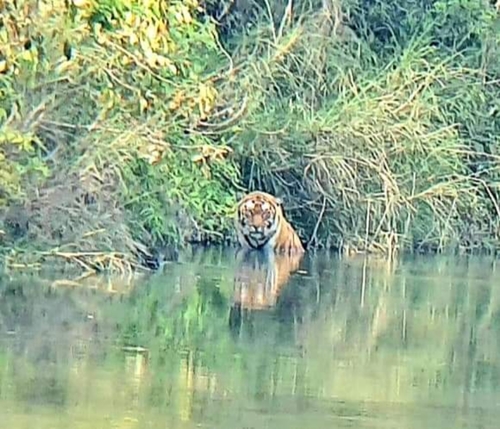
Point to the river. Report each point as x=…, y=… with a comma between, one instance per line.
x=345, y=343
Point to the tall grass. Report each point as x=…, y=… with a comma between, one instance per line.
x=377, y=139
x=108, y=101
x=128, y=126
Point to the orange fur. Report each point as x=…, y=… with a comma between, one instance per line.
x=261, y=224
x=259, y=281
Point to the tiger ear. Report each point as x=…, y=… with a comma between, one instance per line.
x=279, y=201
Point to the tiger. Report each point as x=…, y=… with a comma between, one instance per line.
x=261, y=225
x=270, y=251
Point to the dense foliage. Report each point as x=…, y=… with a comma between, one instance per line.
x=127, y=123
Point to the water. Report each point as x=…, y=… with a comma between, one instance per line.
x=345, y=343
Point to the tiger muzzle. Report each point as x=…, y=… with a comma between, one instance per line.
x=257, y=230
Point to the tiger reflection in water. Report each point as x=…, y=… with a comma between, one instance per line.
x=270, y=251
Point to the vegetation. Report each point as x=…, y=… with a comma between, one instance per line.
x=131, y=125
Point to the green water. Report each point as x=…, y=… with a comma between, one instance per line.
x=348, y=344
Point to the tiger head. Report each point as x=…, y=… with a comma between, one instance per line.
x=258, y=219
x=261, y=224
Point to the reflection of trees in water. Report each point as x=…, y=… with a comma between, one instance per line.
x=43, y=327
x=387, y=327
x=363, y=326
x=356, y=330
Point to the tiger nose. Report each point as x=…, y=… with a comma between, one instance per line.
x=256, y=228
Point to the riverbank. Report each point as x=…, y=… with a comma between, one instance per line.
x=131, y=128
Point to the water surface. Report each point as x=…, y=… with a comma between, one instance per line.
x=346, y=343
